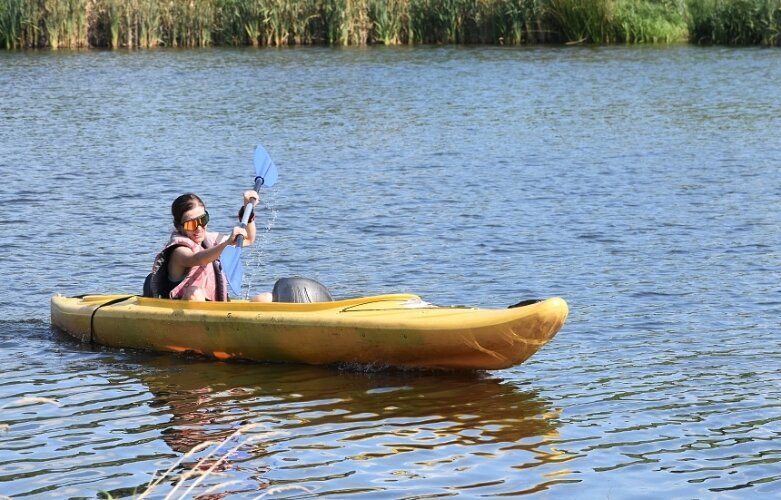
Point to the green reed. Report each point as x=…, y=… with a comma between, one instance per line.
x=650, y=22
x=735, y=22
x=199, y=23
x=148, y=19
x=11, y=23
x=65, y=23
x=389, y=18
x=580, y=21
x=20, y=22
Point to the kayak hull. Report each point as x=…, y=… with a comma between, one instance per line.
x=387, y=330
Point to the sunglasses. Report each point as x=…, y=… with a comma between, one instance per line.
x=192, y=224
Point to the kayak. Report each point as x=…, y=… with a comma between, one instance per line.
x=386, y=330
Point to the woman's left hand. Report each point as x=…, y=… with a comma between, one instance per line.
x=251, y=195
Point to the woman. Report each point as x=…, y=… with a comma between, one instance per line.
x=188, y=266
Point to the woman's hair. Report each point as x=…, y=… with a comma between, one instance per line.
x=182, y=204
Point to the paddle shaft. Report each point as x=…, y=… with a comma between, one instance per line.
x=248, y=213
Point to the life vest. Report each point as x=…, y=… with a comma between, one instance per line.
x=209, y=277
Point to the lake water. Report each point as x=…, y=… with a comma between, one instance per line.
x=640, y=184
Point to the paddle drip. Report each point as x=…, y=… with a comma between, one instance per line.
x=257, y=251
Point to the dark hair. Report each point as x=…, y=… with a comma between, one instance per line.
x=184, y=203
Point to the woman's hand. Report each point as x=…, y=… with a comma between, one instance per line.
x=251, y=195
x=237, y=231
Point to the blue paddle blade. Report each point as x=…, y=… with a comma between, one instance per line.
x=231, y=266
x=264, y=167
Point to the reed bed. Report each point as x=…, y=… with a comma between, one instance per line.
x=199, y=23
x=735, y=22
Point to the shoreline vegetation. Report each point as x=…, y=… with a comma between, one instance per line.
x=74, y=24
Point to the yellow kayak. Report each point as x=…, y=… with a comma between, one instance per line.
x=385, y=330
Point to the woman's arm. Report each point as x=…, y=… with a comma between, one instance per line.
x=182, y=257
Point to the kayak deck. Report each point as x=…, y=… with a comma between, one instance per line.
x=393, y=330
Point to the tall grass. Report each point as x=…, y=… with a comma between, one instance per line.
x=11, y=31
x=389, y=19
x=583, y=20
x=735, y=22
x=651, y=22
x=20, y=23
x=199, y=23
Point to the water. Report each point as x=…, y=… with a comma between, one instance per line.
x=641, y=184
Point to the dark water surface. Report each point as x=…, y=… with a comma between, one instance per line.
x=641, y=184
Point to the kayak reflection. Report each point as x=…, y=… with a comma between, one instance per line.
x=209, y=401
x=321, y=428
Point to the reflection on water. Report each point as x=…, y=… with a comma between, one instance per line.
x=344, y=422
x=367, y=432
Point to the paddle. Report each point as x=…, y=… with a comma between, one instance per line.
x=265, y=175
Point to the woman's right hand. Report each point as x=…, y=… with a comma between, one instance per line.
x=235, y=233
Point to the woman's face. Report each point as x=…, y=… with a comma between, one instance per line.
x=199, y=218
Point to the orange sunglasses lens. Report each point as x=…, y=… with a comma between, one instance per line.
x=192, y=225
